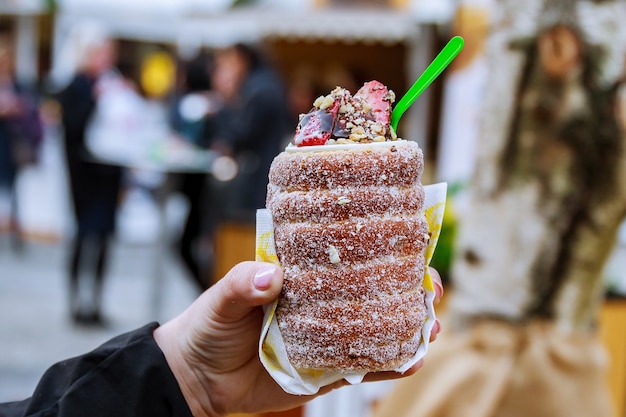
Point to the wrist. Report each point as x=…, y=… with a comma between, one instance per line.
x=173, y=345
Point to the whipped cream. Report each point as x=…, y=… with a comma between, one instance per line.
x=343, y=146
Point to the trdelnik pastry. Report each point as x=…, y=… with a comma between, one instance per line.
x=349, y=229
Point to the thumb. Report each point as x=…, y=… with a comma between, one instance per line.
x=246, y=286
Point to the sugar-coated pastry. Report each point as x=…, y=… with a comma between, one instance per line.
x=350, y=233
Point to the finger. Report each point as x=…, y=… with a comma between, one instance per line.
x=436, y=279
x=435, y=330
x=245, y=286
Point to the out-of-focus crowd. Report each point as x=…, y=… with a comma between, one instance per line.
x=227, y=114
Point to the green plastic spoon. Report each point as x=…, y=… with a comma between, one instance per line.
x=441, y=61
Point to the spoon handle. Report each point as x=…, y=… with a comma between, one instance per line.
x=441, y=61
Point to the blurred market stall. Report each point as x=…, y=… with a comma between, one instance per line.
x=303, y=37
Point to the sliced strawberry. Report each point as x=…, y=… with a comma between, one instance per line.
x=316, y=127
x=377, y=96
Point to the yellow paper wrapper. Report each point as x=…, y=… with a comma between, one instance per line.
x=272, y=350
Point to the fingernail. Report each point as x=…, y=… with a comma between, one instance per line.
x=263, y=277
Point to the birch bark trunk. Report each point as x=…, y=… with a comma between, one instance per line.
x=549, y=190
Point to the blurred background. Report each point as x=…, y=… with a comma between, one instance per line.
x=123, y=188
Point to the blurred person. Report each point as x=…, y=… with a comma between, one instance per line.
x=302, y=90
x=204, y=362
x=192, y=120
x=253, y=125
x=94, y=186
x=20, y=133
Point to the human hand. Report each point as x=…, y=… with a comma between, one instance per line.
x=212, y=347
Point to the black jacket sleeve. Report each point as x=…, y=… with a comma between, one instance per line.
x=126, y=377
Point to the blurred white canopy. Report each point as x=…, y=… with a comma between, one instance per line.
x=21, y=7
x=216, y=23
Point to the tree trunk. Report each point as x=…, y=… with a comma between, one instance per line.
x=549, y=190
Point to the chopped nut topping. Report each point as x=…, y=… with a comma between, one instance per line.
x=348, y=119
x=378, y=128
x=343, y=200
x=327, y=102
x=359, y=130
x=356, y=137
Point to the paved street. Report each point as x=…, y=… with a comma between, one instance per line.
x=35, y=330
